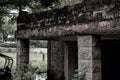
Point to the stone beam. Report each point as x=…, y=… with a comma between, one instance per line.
x=97, y=27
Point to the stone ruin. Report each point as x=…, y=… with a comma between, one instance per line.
x=84, y=37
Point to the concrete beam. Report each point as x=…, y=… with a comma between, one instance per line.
x=98, y=27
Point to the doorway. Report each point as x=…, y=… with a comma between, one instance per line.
x=70, y=59
x=110, y=59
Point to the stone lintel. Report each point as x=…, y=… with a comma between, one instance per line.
x=55, y=32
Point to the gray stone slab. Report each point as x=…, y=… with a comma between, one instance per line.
x=87, y=40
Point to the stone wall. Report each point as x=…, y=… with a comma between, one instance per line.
x=89, y=57
x=87, y=17
x=84, y=12
x=56, y=63
x=22, y=52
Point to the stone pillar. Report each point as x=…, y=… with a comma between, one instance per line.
x=70, y=59
x=22, y=52
x=89, y=57
x=49, y=60
x=22, y=44
x=55, y=60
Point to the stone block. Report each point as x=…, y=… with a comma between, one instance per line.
x=93, y=76
x=88, y=76
x=89, y=65
x=85, y=53
x=88, y=40
x=88, y=53
x=22, y=51
x=85, y=66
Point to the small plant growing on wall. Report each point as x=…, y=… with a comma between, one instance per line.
x=78, y=75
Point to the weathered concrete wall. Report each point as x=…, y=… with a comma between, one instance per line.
x=86, y=11
x=89, y=57
x=98, y=17
x=56, y=61
x=98, y=27
x=87, y=17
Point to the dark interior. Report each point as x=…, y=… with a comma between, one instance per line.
x=73, y=58
x=110, y=59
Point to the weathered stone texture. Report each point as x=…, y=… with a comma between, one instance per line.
x=89, y=56
x=56, y=58
x=78, y=13
x=88, y=40
x=99, y=17
x=85, y=65
x=98, y=27
x=85, y=53
x=22, y=51
x=95, y=76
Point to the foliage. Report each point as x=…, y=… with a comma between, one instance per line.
x=78, y=75
x=38, y=43
x=7, y=23
x=8, y=45
x=35, y=61
x=9, y=50
x=63, y=3
x=2, y=11
x=25, y=72
x=37, y=66
x=33, y=44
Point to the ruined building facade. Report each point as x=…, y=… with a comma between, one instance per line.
x=83, y=37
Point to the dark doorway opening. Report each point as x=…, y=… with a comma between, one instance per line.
x=111, y=59
x=71, y=59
